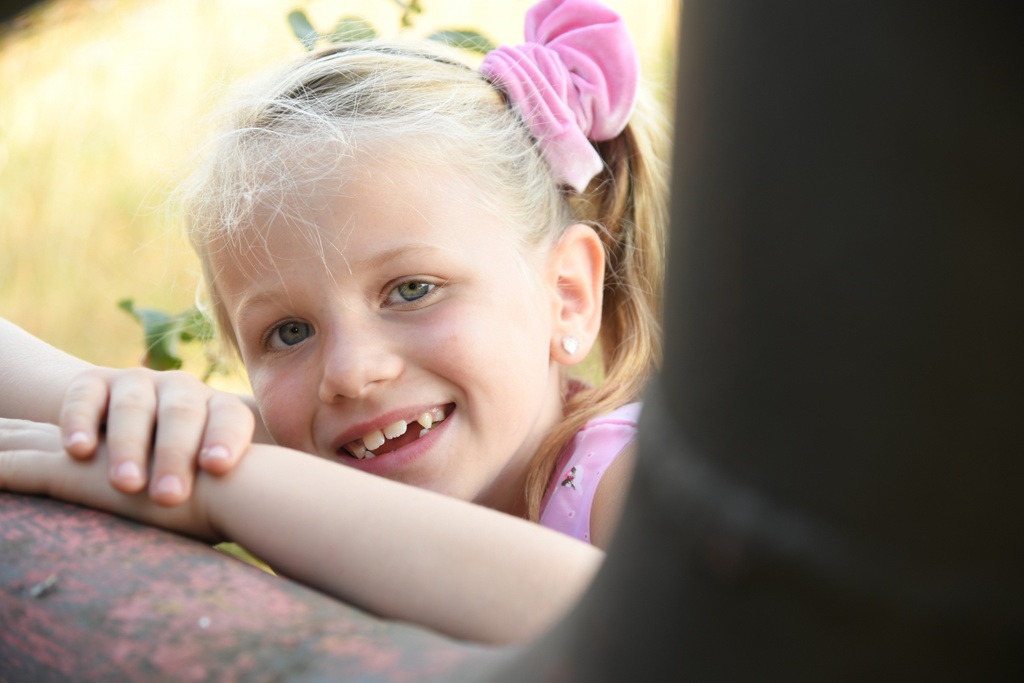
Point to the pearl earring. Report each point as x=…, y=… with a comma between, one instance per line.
x=570, y=344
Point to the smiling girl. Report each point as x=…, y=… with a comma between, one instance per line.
x=407, y=255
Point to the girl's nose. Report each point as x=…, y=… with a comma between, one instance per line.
x=354, y=362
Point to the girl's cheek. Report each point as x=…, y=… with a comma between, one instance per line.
x=279, y=407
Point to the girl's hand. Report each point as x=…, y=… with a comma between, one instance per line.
x=33, y=461
x=193, y=424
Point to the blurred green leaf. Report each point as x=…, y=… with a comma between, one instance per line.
x=160, y=331
x=411, y=8
x=465, y=39
x=303, y=29
x=195, y=326
x=353, y=28
x=244, y=555
x=350, y=29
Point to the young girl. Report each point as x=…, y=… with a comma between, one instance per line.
x=407, y=254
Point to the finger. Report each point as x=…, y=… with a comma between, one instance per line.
x=129, y=438
x=16, y=435
x=82, y=413
x=30, y=471
x=229, y=431
x=181, y=421
x=31, y=456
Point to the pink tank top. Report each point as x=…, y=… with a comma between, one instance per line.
x=567, y=503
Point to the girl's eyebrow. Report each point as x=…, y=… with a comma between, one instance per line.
x=384, y=257
x=251, y=301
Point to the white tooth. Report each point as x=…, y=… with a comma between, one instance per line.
x=373, y=440
x=425, y=420
x=423, y=431
x=438, y=414
x=395, y=429
x=357, y=449
x=370, y=455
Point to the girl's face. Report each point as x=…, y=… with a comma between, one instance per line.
x=402, y=304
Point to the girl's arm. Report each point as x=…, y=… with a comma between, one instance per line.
x=34, y=376
x=395, y=550
x=400, y=551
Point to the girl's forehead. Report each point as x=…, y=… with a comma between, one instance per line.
x=362, y=209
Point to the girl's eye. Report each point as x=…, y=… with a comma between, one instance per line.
x=289, y=334
x=410, y=291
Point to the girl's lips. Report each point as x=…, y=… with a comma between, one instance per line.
x=407, y=457
x=394, y=435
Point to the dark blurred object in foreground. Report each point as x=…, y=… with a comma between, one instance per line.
x=832, y=464
x=10, y=9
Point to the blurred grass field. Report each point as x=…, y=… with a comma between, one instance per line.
x=100, y=105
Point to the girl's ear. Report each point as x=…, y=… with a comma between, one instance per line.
x=577, y=276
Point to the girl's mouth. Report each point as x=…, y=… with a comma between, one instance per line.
x=395, y=435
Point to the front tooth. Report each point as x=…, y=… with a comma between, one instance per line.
x=357, y=449
x=425, y=420
x=395, y=429
x=373, y=440
x=438, y=414
x=370, y=455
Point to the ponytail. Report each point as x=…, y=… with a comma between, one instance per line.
x=627, y=204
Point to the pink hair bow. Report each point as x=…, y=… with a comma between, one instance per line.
x=573, y=81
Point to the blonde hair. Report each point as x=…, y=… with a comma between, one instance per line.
x=628, y=206
x=303, y=123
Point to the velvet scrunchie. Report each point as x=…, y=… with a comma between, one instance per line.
x=574, y=81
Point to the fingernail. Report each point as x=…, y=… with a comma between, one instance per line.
x=77, y=438
x=169, y=485
x=215, y=453
x=128, y=472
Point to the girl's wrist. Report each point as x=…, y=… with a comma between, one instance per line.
x=209, y=496
x=221, y=498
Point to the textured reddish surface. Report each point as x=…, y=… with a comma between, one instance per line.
x=90, y=597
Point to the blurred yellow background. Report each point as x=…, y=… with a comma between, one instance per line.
x=100, y=102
